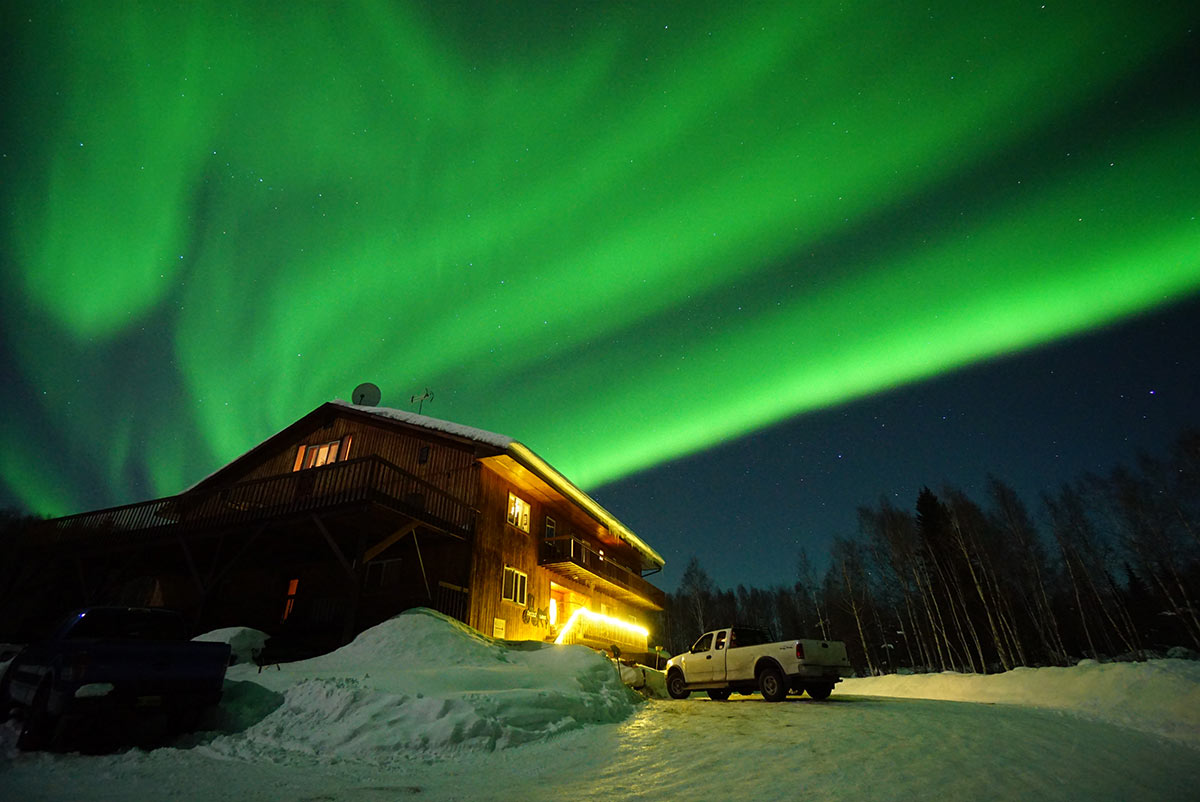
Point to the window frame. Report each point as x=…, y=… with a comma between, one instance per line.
x=328, y=452
x=514, y=579
x=518, y=512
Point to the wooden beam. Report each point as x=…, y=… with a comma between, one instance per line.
x=215, y=560
x=83, y=585
x=212, y=583
x=421, y=562
x=394, y=537
x=333, y=546
x=191, y=564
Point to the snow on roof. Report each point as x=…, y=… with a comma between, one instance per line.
x=426, y=422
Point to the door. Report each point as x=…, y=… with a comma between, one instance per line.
x=698, y=662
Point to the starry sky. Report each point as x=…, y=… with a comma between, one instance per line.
x=734, y=270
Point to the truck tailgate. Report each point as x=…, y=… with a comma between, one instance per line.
x=825, y=653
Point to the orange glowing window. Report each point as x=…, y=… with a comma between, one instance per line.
x=320, y=454
x=518, y=512
x=290, y=602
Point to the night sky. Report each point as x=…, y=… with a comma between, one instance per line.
x=734, y=270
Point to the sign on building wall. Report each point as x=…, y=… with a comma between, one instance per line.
x=499, y=626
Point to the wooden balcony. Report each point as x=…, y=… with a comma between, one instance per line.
x=602, y=632
x=577, y=560
x=366, y=480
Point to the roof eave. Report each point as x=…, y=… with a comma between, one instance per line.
x=526, y=456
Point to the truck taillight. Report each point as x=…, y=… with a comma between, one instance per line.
x=799, y=650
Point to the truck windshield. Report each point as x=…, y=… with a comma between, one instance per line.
x=128, y=624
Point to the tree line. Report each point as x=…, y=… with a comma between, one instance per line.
x=1109, y=570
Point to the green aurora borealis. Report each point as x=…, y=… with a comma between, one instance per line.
x=619, y=234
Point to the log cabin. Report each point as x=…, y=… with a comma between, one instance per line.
x=355, y=513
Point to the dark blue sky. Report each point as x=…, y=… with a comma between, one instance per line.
x=1035, y=420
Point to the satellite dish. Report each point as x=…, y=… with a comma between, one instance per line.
x=366, y=395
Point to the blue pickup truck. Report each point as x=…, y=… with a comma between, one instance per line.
x=110, y=661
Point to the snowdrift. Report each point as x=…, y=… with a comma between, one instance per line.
x=1159, y=696
x=245, y=644
x=419, y=685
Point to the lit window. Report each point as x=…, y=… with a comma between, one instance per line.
x=514, y=585
x=320, y=454
x=290, y=602
x=518, y=512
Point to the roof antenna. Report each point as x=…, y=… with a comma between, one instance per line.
x=365, y=395
x=420, y=400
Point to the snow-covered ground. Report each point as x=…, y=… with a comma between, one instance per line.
x=423, y=707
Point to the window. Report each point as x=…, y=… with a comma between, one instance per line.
x=423, y=455
x=290, y=603
x=514, y=585
x=381, y=573
x=319, y=454
x=518, y=512
x=551, y=528
x=749, y=636
x=703, y=645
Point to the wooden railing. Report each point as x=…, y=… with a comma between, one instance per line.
x=364, y=479
x=579, y=553
x=602, y=633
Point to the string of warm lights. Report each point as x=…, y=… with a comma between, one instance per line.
x=599, y=618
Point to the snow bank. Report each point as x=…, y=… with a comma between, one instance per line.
x=423, y=685
x=1159, y=696
x=245, y=644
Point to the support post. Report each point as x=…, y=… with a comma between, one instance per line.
x=421, y=562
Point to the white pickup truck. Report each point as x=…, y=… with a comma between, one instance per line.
x=745, y=660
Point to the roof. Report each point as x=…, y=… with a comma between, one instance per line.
x=526, y=457
x=425, y=422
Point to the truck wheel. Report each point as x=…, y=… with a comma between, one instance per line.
x=40, y=728
x=718, y=694
x=819, y=692
x=676, y=686
x=772, y=685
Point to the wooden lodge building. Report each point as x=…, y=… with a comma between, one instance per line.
x=355, y=513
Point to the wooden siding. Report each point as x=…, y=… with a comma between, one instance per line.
x=498, y=544
x=570, y=519
x=450, y=465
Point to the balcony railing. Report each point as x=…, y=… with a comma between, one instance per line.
x=575, y=552
x=366, y=479
x=601, y=631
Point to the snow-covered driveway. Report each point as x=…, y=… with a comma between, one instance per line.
x=423, y=707
x=879, y=748
x=846, y=748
